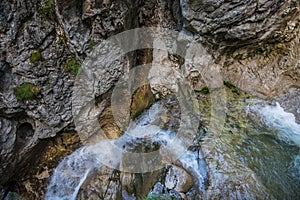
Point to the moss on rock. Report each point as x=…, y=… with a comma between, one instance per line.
x=26, y=91
x=72, y=66
x=35, y=57
x=205, y=90
x=46, y=8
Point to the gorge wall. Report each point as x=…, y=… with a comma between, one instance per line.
x=255, y=44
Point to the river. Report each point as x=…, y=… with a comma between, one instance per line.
x=270, y=147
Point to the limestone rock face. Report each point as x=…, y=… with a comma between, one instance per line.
x=236, y=23
x=291, y=103
x=56, y=35
x=8, y=137
x=254, y=44
x=24, y=32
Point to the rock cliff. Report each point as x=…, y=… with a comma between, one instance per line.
x=43, y=43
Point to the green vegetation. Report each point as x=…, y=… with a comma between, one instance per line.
x=35, y=57
x=232, y=87
x=46, y=8
x=205, y=90
x=91, y=44
x=62, y=40
x=26, y=91
x=72, y=66
x=228, y=84
x=266, y=50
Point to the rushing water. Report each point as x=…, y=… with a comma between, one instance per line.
x=270, y=147
x=70, y=174
x=273, y=150
x=282, y=122
x=74, y=169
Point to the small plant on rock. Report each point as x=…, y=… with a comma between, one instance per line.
x=205, y=90
x=232, y=87
x=26, y=91
x=91, y=44
x=62, y=39
x=72, y=66
x=46, y=8
x=35, y=57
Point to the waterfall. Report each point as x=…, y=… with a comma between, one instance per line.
x=70, y=174
x=195, y=164
x=74, y=169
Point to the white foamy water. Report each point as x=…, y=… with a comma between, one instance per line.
x=195, y=164
x=284, y=123
x=74, y=169
x=70, y=174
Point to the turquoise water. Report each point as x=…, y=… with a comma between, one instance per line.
x=275, y=162
x=272, y=150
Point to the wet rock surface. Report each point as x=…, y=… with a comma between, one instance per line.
x=178, y=179
x=33, y=185
x=229, y=177
x=291, y=103
x=103, y=184
x=160, y=191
